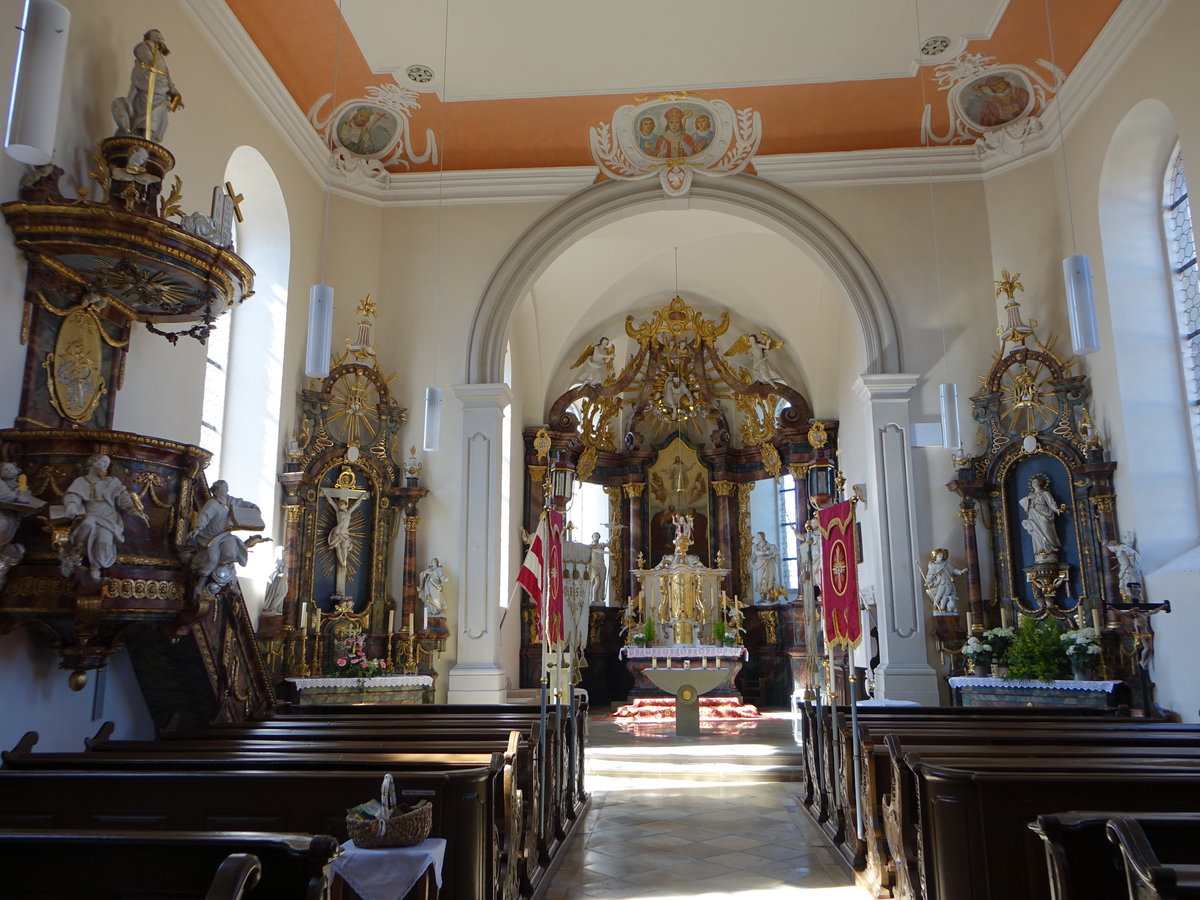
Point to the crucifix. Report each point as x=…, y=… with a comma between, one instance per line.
x=343, y=499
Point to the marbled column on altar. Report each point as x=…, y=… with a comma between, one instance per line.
x=408, y=592
x=967, y=513
x=292, y=516
x=633, y=529
x=725, y=528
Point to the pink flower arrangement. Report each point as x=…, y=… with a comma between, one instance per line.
x=354, y=662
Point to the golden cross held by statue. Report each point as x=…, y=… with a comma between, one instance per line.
x=236, y=199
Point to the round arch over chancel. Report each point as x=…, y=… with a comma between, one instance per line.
x=760, y=201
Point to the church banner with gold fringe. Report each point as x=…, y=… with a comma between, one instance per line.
x=839, y=575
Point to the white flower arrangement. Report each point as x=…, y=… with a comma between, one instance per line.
x=1000, y=640
x=1082, y=646
x=977, y=651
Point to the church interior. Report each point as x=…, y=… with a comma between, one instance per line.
x=792, y=423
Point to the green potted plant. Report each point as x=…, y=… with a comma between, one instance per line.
x=1036, y=652
x=718, y=632
x=1001, y=640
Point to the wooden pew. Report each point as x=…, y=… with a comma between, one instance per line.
x=64, y=865
x=264, y=799
x=970, y=814
x=1084, y=856
x=1144, y=841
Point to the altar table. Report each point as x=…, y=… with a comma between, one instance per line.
x=976, y=692
x=399, y=689
x=726, y=659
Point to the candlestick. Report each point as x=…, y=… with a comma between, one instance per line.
x=317, y=617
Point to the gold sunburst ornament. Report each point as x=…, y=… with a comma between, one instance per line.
x=353, y=414
x=1025, y=405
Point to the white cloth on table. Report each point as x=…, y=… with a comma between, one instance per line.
x=390, y=872
x=883, y=701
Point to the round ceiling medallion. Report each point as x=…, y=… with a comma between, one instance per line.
x=935, y=46
x=420, y=74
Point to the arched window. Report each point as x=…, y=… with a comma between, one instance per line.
x=1181, y=252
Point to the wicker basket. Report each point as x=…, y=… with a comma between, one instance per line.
x=397, y=827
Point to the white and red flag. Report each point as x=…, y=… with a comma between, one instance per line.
x=541, y=575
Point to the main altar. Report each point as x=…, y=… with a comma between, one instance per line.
x=710, y=462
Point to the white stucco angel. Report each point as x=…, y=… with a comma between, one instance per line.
x=755, y=347
x=277, y=586
x=1129, y=568
x=595, y=362
x=938, y=581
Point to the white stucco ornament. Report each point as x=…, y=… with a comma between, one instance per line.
x=673, y=136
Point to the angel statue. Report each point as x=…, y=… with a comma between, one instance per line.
x=596, y=361
x=937, y=579
x=755, y=348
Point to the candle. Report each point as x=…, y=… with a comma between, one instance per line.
x=653, y=663
x=391, y=620
x=1004, y=614
x=704, y=662
x=1096, y=619
x=304, y=615
x=410, y=624
x=969, y=623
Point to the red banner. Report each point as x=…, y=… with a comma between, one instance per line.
x=839, y=576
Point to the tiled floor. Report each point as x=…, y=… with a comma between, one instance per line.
x=655, y=835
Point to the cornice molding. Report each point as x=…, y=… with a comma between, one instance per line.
x=1124, y=30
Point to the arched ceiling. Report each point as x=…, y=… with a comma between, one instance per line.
x=524, y=80
x=725, y=264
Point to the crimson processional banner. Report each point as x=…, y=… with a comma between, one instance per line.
x=839, y=575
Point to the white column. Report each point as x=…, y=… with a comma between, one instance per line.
x=477, y=676
x=904, y=672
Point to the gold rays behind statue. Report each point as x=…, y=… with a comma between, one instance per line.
x=353, y=418
x=1024, y=405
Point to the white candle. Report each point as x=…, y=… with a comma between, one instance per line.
x=969, y=621
x=1096, y=619
x=1004, y=614
x=304, y=615
x=391, y=620
x=410, y=624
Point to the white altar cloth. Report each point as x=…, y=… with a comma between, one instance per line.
x=961, y=681
x=389, y=872
x=383, y=681
x=684, y=652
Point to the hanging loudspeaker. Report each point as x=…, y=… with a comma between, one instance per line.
x=37, y=82
x=433, y=418
x=320, y=331
x=1081, y=304
x=948, y=395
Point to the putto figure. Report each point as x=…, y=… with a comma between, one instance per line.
x=152, y=94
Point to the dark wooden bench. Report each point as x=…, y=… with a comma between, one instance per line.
x=1085, y=858
x=263, y=799
x=970, y=814
x=66, y=865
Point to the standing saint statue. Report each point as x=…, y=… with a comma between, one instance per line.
x=939, y=583
x=430, y=584
x=1040, y=510
x=277, y=587
x=152, y=94
x=597, y=572
x=1129, y=568
x=764, y=563
x=95, y=500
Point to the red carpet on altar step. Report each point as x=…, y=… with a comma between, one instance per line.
x=662, y=709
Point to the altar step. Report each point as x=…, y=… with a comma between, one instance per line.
x=727, y=758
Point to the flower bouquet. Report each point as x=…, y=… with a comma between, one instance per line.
x=352, y=660
x=1000, y=640
x=1082, y=646
x=978, y=653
